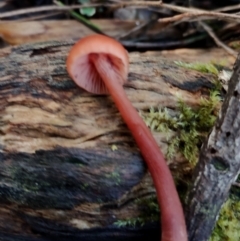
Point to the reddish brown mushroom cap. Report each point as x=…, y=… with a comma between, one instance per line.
x=80, y=62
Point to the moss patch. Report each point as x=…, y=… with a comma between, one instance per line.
x=228, y=225
x=189, y=125
x=149, y=213
x=201, y=67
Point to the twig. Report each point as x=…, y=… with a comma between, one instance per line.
x=187, y=17
x=237, y=184
x=142, y=27
x=37, y=17
x=196, y=13
x=176, y=18
x=217, y=40
x=138, y=4
x=228, y=8
x=3, y=4
x=82, y=19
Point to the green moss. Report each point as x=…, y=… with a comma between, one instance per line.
x=115, y=177
x=190, y=125
x=84, y=186
x=228, y=225
x=235, y=45
x=130, y=222
x=149, y=212
x=201, y=67
x=27, y=180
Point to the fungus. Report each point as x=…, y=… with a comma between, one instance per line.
x=99, y=64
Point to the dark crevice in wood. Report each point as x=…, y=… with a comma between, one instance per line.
x=235, y=93
x=219, y=164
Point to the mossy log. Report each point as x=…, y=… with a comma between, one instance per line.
x=59, y=176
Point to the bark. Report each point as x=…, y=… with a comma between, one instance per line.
x=59, y=177
x=218, y=166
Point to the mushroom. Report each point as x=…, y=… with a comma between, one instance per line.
x=99, y=64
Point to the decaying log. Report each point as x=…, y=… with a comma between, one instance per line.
x=218, y=166
x=59, y=176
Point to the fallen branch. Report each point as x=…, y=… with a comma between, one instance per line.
x=218, y=166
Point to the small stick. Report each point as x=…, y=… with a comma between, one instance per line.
x=217, y=40
x=194, y=13
x=228, y=8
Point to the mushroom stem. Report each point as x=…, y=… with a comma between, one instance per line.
x=172, y=217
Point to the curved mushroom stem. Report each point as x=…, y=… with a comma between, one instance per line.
x=172, y=217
